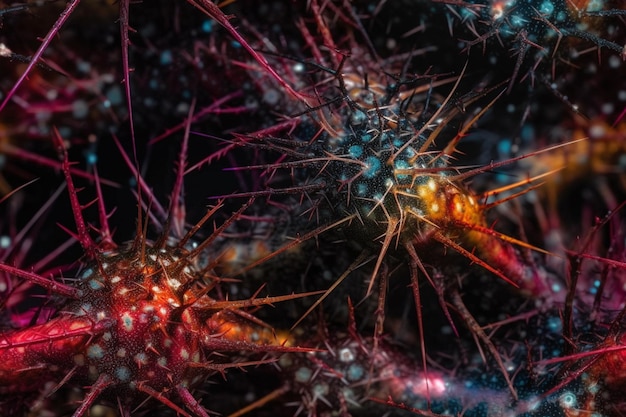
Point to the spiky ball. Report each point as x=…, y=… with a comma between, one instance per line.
x=157, y=333
x=135, y=329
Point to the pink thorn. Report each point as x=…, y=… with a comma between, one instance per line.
x=105, y=230
x=69, y=9
x=142, y=184
x=124, y=4
x=177, y=203
x=100, y=385
x=214, y=108
x=53, y=255
x=212, y=10
x=23, y=154
x=190, y=402
x=160, y=397
x=20, y=237
x=83, y=235
x=47, y=283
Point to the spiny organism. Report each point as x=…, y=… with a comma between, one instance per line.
x=364, y=151
x=365, y=160
x=593, y=376
x=537, y=33
x=369, y=158
x=139, y=321
x=353, y=374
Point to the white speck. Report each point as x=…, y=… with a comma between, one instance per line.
x=5, y=242
x=607, y=108
x=174, y=283
x=6, y=52
x=614, y=61
x=346, y=355
x=597, y=131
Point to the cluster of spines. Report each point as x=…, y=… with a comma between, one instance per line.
x=138, y=323
x=435, y=193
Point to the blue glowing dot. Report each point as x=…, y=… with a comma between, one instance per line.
x=366, y=138
x=361, y=189
x=235, y=44
x=127, y=322
x=466, y=14
x=358, y=117
x=114, y=95
x=83, y=66
x=546, y=8
x=303, y=374
x=122, y=373
x=355, y=372
x=94, y=284
x=355, y=151
x=372, y=167
x=556, y=288
x=554, y=324
x=518, y=21
x=5, y=242
x=207, y=26
x=409, y=152
x=568, y=400
x=166, y=57
x=401, y=164
x=95, y=352
x=561, y=16
x=505, y=147
x=91, y=158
